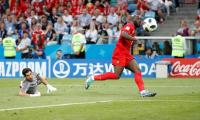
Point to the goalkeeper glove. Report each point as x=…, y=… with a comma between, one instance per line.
x=50, y=88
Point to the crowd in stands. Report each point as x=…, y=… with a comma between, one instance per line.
x=35, y=24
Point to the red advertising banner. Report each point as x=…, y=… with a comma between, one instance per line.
x=187, y=67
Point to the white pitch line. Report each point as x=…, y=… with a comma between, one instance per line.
x=55, y=105
x=178, y=86
x=94, y=102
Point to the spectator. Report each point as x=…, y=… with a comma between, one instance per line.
x=155, y=5
x=109, y=28
x=139, y=48
x=22, y=27
x=3, y=31
x=50, y=35
x=74, y=27
x=123, y=16
x=122, y=5
x=156, y=48
x=177, y=4
x=103, y=35
x=117, y=32
x=16, y=8
x=24, y=45
x=32, y=17
x=80, y=7
x=60, y=10
x=178, y=46
x=101, y=18
x=184, y=29
x=38, y=6
x=60, y=28
x=68, y=19
x=195, y=31
x=59, y=55
x=25, y=6
x=53, y=15
x=198, y=15
x=33, y=24
x=44, y=22
x=150, y=54
x=142, y=6
x=9, y=46
x=38, y=37
x=38, y=53
x=91, y=34
x=85, y=19
x=9, y=24
x=107, y=8
x=167, y=50
x=97, y=14
x=3, y=6
x=78, y=44
x=48, y=5
x=112, y=18
x=168, y=4
x=98, y=6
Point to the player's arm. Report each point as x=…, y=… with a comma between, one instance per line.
x=43, y=79
x=21, y=93
x=37, y=94
x=126, y=35
x=24, y=88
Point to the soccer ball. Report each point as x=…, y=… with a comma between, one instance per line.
x=150, y=25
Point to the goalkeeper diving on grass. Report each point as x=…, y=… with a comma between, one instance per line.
x=28, y=87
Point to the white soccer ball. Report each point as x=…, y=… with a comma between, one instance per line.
x=150, y=25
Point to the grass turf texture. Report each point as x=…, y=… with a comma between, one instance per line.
x=177, y=99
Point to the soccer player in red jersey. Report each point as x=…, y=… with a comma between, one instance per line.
x=122, y=58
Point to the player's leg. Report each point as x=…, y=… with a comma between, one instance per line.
x=133, y=66
x=106, y=76
x=110, y=75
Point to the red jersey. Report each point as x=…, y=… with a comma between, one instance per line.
x=124, y=45
x=121, y=55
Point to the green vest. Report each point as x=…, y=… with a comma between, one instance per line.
x=178, y=46
x=76, y=41
x=9, y=47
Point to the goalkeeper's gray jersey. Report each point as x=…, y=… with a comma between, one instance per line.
x=30, y=87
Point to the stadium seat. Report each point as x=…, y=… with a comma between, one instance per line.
x=149, y=14
x=161, y=44
x=66, y=40
x=132, y=8
x=198, y=48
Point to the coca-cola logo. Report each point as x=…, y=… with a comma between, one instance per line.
x=185, y=69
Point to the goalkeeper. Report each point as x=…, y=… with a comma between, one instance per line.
x=28, y=87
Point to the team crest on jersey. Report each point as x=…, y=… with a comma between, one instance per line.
x=127, y=28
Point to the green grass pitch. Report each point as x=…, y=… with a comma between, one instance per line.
x=177, y=99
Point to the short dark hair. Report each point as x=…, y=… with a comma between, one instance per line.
x=59, y=50
x=26, y=70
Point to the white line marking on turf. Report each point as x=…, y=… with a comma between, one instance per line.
x=175, y=86
x=94, y=102
x=55, y=105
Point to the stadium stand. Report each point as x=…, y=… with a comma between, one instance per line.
x=34, y=16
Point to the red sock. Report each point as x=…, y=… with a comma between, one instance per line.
x=105, y=76
x=139, y=81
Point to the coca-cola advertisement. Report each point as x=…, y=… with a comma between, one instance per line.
x=188, y=67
